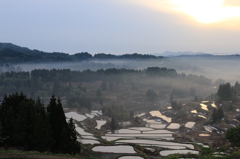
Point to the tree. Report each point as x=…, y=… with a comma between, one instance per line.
x=233, y=135
x=131, y=114
x=225, y=92
x=113, y=125
x=214, y=115
x=26, y=124
x=103, y=110
x=151, y=94
x=104, y=86
x=196, y=99
x=61, y=132
x=217, y=114
x=171, y=97
x=42, y=136
x=220, y=113
x=74, y=146
x=174, y=105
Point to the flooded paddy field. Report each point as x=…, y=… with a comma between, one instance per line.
x=161, y=132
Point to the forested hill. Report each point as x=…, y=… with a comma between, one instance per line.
x=10, y=53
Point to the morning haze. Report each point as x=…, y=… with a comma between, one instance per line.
x=122, y=79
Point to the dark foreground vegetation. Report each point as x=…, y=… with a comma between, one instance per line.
x=26, y=124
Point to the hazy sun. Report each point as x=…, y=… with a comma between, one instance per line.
x=206, y=11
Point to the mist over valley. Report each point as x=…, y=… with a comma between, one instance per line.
x=153, y=106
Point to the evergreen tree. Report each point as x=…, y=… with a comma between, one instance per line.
x=214, y=115
x=151, y=94
x=225, y=92
x=233, y=135
x=217, y=114
x=113, y=125
x=171, y=97
x=104, y=86
x=220, y=113
x=61, y=132
x=74, y=146
x=174, y=105
x=24, y=125
x=131, y=114
x=58, y=124
x=42, y=137
x=196, y=99
x=98, y=93
x=9, y=112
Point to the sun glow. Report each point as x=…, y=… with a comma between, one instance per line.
x=206, y=11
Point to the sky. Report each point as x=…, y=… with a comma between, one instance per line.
x=122, y=26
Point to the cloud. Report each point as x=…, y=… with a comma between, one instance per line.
x=232, y=3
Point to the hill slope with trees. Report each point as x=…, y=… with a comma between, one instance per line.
x=10, y=53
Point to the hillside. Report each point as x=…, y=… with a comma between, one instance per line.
x=10, y=53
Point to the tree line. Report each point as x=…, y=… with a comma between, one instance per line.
x=39, y=79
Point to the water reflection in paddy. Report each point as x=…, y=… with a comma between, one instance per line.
x=130, y=157
x=194, y=111
x=87, y=141
x=141, y=128
x=90, y=115
x=158, y=132
x=75, y=116
x=214, y=105
x=96, y=112
x=174, y=126
x=169, y=152
x=154, y=124
x=127, y=131
x=114, y=149
x=159, y=143
x=204, y=107
x=189, y=124
x=159, y=114
x=141, y=135
x=201, y=116
x=208, y=128
x=100, y=123
x=82, y=132
x=166, y=146
x=158, y=126
x=112, y=138
x=204, y=134
x=89, y=137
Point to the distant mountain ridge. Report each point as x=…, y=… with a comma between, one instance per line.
x=172, y=54
x=11, y=53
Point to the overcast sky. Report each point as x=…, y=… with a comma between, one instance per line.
x=122, y=26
